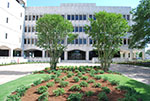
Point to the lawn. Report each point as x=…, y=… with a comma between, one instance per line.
x=9, y=87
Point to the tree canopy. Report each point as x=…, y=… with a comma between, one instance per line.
x=107, y=32
x=141, y=27
x=52, y=33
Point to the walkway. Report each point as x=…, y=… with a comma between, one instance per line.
x=12, y=72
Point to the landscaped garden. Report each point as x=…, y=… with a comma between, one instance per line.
x=83, y=83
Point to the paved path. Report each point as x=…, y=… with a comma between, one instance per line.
x=12, y=72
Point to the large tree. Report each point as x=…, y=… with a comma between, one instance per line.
x=141, y=28
x=107, y=32
x=52, y=32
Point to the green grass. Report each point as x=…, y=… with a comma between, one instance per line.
x=9, y=87
x=143, y=89
x=21, y=63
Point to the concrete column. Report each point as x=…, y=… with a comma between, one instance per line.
x=126, y=41
x=126, y=55
x=11, y=53
x=22, y=53
x=43, y=53
x=121, y=55
x=87, y=55
x=131, y=55
x=65, y=55
x=143, y=55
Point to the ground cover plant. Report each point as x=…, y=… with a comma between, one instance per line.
x=90, y=89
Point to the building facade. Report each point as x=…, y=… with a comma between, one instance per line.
x=11, y=28
x=81, y=48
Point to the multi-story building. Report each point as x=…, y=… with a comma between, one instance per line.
x=81, y=48
x=12, y=13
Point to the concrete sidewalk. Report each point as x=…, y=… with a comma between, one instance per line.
x=12, y=72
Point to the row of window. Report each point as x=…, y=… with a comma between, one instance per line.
x=69, y=17
x=76, y=29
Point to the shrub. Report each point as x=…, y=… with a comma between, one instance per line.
x=47, y=78
x=59, y=91
x=50, y=84
x=98, y=77
x=76, y=79
x=92, y=71
x=47, y=68
x=101, y=72
x=114, y=82
x=106, y=90
x=41, y=71
x=13, y=98
x=79, y=74
x=64, y=83
x=43, y=97
x=97, y=85
x=21, y=90
x=92, y=74
x=42, y=89
x=83, y=72
x=75, y=97
x=83, y=84
x=91, y=81
x=84, y=77
x=89, y=93
x=53, y=76
x=70, y=74
x=105, y=79
x=76, y=71
x=49, y=71
x=75, y=88
x=37, y=82
x=102, y=96
x=64, y=78
x=110, y=71
x=57, y=80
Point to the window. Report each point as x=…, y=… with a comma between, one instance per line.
x=35, y=41
x=129, y=55
x=90, y=16
x=83, y=29
x=29, y=17
x=8, y=5
x=76, y=41
x=94, y=17
x=7, y=20
x=26, y=17
x=77, y=17
x=76, y=29
x=6, y=35
x=20, y=27
x=84, y=17
x=128, y=41
x=68, y=17
x=80, y=16
x=28, y=41
x=84, y=41
x=25, y=41
x=32, y=41
x=128, y=17
x=90, y=41
x=29, y=29
x=25, y=30
x=80, y=29
x=32, y=29
x=72, y=17
x=37, y=17
x=33, y=18
x=125, y=42
x=73, y=29
x=80, y=41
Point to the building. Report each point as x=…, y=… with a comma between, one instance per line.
x=11, y=28
x=18, y=33
x=81, y=48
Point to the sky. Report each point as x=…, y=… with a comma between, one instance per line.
x=131, y=3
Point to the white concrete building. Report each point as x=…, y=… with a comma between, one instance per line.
x=81, y=48
x=12, y=13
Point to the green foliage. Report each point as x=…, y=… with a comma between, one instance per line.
x=57, y=80
x=89, y=93
x=75, y=97
x=97, y=85
x=91, y=81
x=41, y=71
x=64, y=78
x=102, y=96
x=83, y=84
x=64, y=83
x=43, y=97
x=101, y=71
x=105, y=79
x=47, y=78
x=79, y=74
x=42, y=89
x=76, y=71
x=98, y=77
x=70, y=74
x=76, y=79
x=59, y=91
x=53, y=76
x=114, y=82
x=37, y=82
x=84, y=77
x=75, y=88
x=107, y=39
x=13, y=98
x=106, y=90
x=52, y=30
x=92, y=71
x=21, y=90
x=92, y=74
x=50, y=84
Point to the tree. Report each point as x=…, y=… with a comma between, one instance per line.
x=107, y=32
x=141, y=29
x=148, y=52
x=52, y=31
